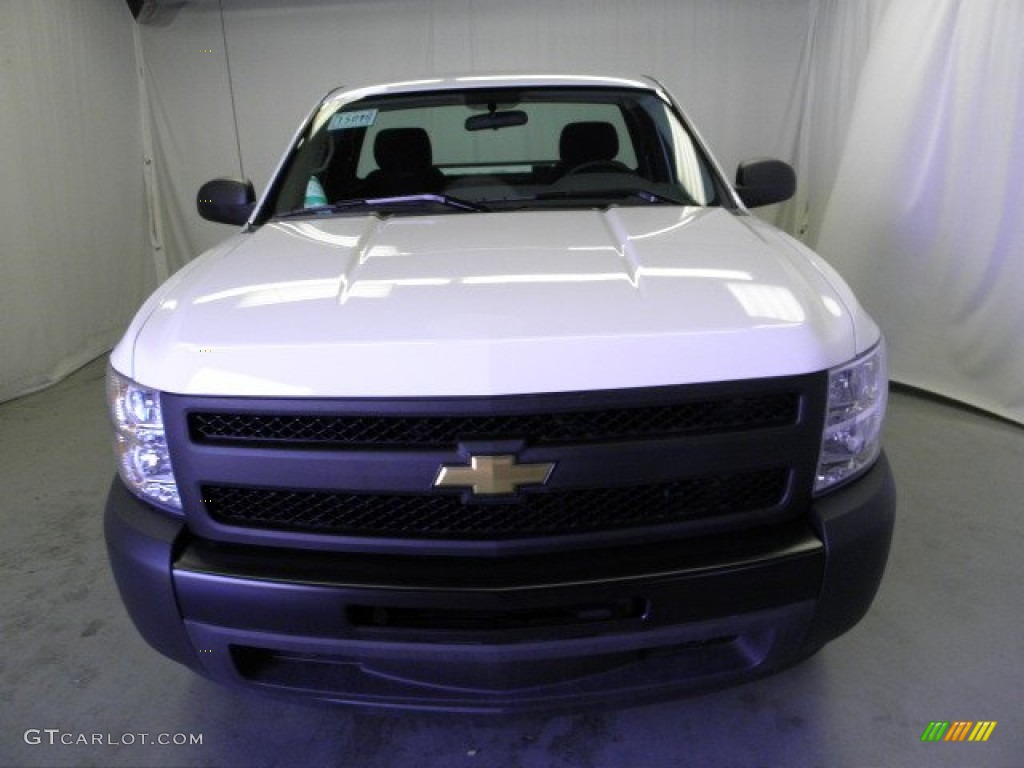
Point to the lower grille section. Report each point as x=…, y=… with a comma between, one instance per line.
x=482, y=685
x=443, y=516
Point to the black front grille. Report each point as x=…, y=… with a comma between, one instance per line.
x=725, y=414
x=359, y=474
x=445, y=516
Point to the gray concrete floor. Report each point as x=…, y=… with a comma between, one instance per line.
x=942, y=641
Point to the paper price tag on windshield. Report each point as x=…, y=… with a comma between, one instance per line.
x=342, y=121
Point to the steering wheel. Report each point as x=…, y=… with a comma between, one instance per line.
x=596, y=166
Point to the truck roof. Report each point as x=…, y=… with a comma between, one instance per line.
x=500, y=80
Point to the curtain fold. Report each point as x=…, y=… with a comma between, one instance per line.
x=838, y=40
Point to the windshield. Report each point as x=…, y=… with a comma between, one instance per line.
x=508, y=148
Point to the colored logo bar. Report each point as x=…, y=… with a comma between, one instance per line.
x=958, y=730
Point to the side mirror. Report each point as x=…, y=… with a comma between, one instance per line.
x=226, y=200
x=764, y=181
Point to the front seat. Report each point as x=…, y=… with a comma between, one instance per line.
x=405, y=164
x=593, y=143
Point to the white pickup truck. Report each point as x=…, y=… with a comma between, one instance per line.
x=499, y=399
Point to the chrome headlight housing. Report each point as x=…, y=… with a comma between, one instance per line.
x=852, y=437
x=140, y=443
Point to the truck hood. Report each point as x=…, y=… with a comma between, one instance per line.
x=493, y=303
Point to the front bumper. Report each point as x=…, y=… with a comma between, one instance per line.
x=489, y=634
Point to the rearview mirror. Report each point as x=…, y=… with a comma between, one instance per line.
x=496, y=120
x=226, y=200
x=764, y=181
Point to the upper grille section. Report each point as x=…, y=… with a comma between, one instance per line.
x=749, y=412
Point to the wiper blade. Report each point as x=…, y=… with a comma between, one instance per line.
x=452, y=202
x=655, y=197
x=586, y=194
x=382, y=202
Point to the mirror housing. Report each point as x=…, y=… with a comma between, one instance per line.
x=226, y=200
x=496, y=120
x=764, y=181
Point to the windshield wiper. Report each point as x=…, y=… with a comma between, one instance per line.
x=586, y=194
x=383, y=202
x=654, y=197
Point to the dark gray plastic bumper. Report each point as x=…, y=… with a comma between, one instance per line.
x=502, y=634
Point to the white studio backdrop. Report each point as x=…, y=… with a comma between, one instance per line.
x=901, y=117
x=74, y=261
x=926, y=214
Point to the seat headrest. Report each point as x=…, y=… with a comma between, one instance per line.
x=585, y=142
x=403, y=149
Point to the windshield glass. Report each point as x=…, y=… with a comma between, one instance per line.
x=506, y=148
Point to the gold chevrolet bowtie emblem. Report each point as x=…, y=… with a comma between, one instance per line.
x=493, y=475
